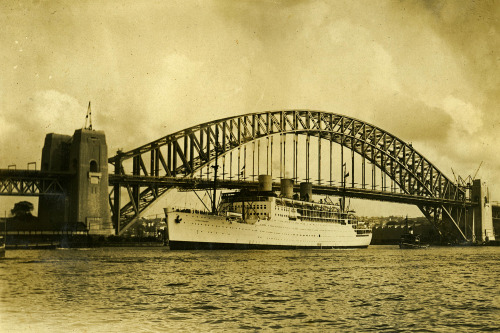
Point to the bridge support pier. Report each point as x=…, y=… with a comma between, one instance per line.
x=117, y=200
x=480, y=216
x=84, y=157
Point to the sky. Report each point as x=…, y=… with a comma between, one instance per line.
x=425, y=71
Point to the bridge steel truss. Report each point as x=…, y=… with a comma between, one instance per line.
x=187, y=153
x=31, y=183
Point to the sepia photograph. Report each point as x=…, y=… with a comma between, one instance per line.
x=250, y=165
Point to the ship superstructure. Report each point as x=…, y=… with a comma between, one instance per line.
x=262, y=219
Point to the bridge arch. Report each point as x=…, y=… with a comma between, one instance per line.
x=186, y=152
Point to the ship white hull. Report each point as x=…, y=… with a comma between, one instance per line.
x=203, y=231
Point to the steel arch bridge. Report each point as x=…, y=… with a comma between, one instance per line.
x=251, y=144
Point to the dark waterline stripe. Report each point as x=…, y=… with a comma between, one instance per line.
x=182, y=245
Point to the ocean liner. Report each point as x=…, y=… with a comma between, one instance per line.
x=262, y=219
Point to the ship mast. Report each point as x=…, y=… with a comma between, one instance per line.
x=345, y=175
x=216, y=166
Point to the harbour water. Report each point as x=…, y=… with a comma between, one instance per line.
x=379, y=289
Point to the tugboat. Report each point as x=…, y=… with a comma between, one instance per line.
x=410, y=241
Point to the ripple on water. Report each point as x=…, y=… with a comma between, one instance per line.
x=177, y=284
x=372, y=290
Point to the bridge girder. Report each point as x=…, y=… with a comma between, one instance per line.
x=187, y=152
x=31, y=183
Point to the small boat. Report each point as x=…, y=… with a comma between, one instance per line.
x=409, y=240
x=2, y=247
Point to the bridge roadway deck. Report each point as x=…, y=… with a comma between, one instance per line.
x=33, y=174
x=35, y=183
x=188, y=184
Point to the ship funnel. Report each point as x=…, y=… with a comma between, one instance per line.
x=306, y=191
x=287, y=188
x=265, y=183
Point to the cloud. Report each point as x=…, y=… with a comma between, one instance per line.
x=47, y=111
x=412, y=120
x=58, y=112
x=465, y=116
x=427, y=71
